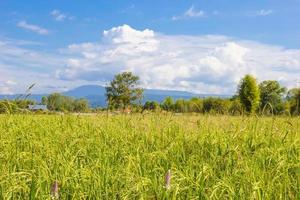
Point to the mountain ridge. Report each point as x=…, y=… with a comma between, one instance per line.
x=95, y=94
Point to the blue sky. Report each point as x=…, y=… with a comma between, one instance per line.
x=202, y=46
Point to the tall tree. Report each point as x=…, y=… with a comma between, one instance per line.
x=123, y=91
x=181, y=105
x=293, y=98
x=249, y=94
x=151, y=105
x=195, y=104
x=216, y=105
x=58, y=102
x=80, y=105
x=271, y=96
x=168, y=104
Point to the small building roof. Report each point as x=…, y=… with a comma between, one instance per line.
x=37, y=107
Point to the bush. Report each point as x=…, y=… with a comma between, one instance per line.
x=216, y=105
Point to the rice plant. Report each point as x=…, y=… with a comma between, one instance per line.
x=150, y=156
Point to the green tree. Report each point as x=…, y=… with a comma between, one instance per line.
x=123, y=91
x=236, y=107
x=168, y=104
x=271, y=96
x=151, y=105
x=80, y=105
x=195, y=104
x=249, y=94
x=58, y=102
x=216, y=105
x=44, y=100
x=54, y=102
x=293, y=97
x=181, y=105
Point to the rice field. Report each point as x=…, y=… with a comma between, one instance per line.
x=153, y=156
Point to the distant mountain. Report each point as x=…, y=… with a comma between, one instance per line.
x=167, y=92
x=86, y=90
x=95, y=94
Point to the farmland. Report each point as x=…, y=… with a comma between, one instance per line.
x=128, y=156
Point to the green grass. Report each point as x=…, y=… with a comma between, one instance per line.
x=127, y=157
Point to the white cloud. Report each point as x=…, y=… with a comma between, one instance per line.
x=190, y=13
x=6, y=86
x=60, y=16
x=263, y=12
x=20, y=66
x=202, y=64
x=33, y=28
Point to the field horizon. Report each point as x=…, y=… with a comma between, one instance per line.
x=149, y=100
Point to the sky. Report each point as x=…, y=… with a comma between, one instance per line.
x=203, y=46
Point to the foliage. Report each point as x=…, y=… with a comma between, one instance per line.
x=44, y=101
x=14, y=106
x=271, y=97
x=249, y=94
x=8, y=107
x=123, y=91
x=168, y=104
x=195, y=105
x=23, y=103
x=215, y=105
x=151, y=105
x=81, y=105
x=58, y=102
x=181, y=105
x=236, y=108
x=293, y=98
x=127, y=157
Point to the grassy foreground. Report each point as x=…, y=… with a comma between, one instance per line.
x=127, y=157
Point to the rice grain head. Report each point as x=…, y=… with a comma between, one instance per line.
x=54, y=190
x=168, y=179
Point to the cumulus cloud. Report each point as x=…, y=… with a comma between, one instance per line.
x=20, y=66
x=190, y=13
x=60, y=16
x=6, y=86
x=34, y=28
x=202, y=64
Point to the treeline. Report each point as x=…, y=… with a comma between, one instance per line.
x=61, y=103
x=15, y=106
x=267, y=97
x=123, y=94
x=54, y=103
x=214, y=105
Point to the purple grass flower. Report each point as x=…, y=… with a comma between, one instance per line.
x=54, y=190
x=168, y=179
